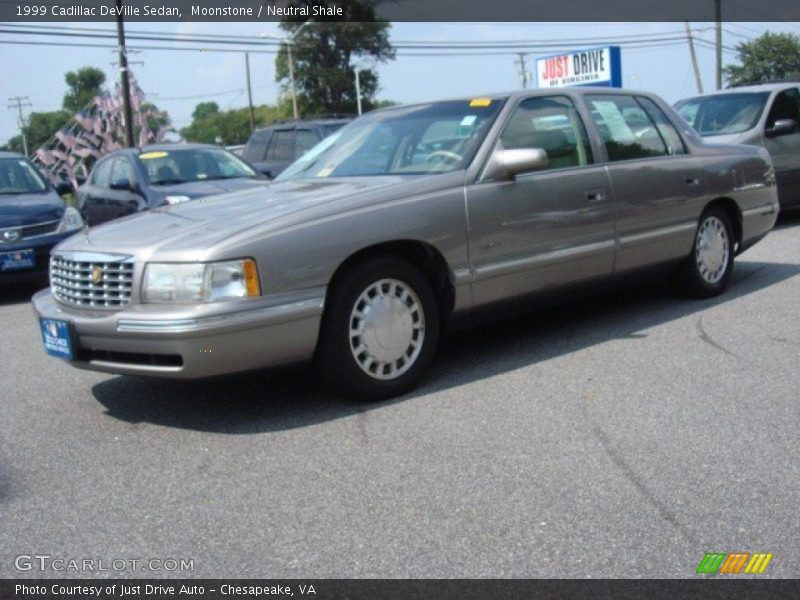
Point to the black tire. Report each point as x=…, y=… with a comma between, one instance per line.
x=337, y=364
x=691, y=278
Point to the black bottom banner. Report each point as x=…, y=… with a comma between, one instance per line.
x=400, y=589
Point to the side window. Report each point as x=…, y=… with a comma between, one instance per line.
x=785, y=106
x=123, y=170
x=281, y=146
x=256, y=149
x=306, y=139
x=667, y=130
x=102, y=173
x=553, y=124
x=627, y=131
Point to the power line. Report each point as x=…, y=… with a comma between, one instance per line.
x=248, y=41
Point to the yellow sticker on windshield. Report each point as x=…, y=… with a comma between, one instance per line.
x=152, y=155
x=480, y=102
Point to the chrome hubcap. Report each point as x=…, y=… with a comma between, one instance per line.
x=387, y=328
x=712, y=250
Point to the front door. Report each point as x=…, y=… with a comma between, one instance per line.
x=548, y=228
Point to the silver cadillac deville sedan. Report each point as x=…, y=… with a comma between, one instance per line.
x=359, y=253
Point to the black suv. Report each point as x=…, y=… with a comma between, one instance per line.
x=273, y=148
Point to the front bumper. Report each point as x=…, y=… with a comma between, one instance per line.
x=174, y=342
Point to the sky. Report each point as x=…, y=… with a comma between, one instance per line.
x=177, y=80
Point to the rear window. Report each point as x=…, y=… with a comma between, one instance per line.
x=256, y=148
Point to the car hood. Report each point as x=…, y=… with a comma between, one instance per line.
x=199, y=189
x=29, y=209
x=193, y=227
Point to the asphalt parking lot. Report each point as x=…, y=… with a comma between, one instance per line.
x=620, y=436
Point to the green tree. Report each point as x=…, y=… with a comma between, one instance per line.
x=210, y=125
x=325, y=52
x=84, y=84
x=770, y=56
x=39, y=129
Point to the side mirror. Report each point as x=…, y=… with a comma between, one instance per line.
x=506, y=164
x=63, y=188
x=522, y=160
x=782, y=127
x=121, y=184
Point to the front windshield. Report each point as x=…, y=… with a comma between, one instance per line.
x=723, y=114
x=413, y=140
x=166, y=167
x=19, y=176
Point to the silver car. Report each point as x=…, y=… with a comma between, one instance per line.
x=766, y=114
x=359, y=253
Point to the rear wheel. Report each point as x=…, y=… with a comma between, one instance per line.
x=708, y=269
x=380, y=330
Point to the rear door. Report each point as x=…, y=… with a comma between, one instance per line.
x=657, y=185
x=785, y=149
x=548, y=228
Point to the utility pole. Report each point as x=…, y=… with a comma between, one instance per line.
x=17, y=102
x=249, y=91
x=718, y=19
x=358, y=89
x=697, y=79
x=123, y=71
x=524, y=75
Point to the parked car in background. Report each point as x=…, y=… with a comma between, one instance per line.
x=33, y=219
x=359, y=253
x=131, y=180
x=273, y=148
x=765, y=114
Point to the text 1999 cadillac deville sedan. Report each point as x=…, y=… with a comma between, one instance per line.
x=360, y=251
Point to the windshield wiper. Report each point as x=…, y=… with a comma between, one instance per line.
x=168, y=181
x=217, y=177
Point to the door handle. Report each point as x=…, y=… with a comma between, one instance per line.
x=692, y=181
x=595, y=195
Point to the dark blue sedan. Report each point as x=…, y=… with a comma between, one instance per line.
x=131, y=180
x=33, y=219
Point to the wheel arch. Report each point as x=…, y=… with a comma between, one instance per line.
x=734, y=212
x=426, y=257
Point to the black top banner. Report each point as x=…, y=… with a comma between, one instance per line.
x=398, y=10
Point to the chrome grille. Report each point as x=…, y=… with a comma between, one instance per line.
x=92, y=281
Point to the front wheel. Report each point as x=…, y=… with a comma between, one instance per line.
x=380, y=329
x=708, y=268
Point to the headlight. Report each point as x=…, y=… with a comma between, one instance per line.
x=177, y=199
x=71, y=221
x=184, y=283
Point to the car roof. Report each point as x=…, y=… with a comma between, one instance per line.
x=772, y=86
x=527, y=93
x=312, y=121
x=166, y=147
